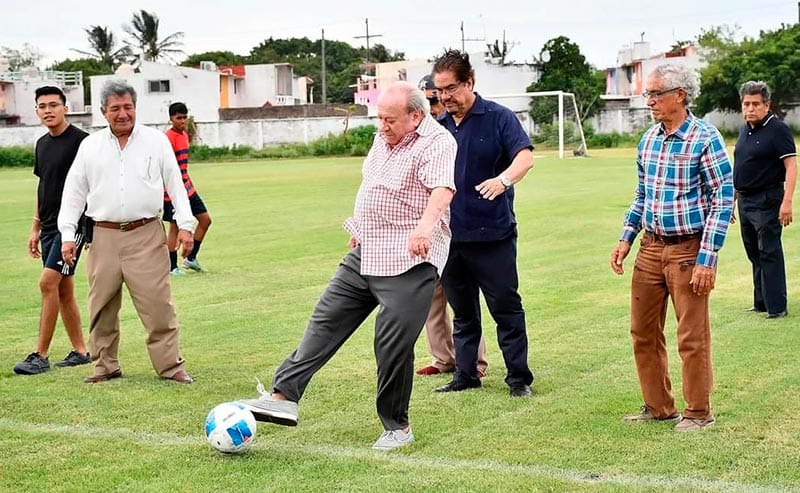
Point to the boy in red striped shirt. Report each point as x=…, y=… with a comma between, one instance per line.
x=179, y=138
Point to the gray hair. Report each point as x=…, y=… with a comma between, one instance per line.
x=752, y=88
x=117, y=88
x=415, y=97
x=417, y=100
x=674, y=75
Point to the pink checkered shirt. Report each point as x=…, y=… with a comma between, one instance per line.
x=395, y=188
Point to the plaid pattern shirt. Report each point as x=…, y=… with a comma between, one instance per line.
x=396, y=184
x=685, y=186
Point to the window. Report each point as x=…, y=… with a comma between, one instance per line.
x=237, y=85
x=158, y=85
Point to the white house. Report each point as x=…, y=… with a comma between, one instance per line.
x=625, y=109
x=18, y=93
x=204, y=90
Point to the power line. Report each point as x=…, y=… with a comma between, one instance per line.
x=367, y=36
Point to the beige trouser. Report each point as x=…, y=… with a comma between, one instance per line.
x=439, y=335
x=139, y=259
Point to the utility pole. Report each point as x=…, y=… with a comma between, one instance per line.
x=467, y=39
x=367, y=36
x=324, y=83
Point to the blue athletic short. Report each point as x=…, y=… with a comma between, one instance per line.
x=196, y=203
x=51, y=253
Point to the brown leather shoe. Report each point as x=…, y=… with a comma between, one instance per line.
x=181, y=376
x=102, y=378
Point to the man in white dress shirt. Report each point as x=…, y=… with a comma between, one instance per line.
x=119, y=175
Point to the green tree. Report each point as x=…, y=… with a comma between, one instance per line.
x=342, y=61
x=89, y=67
x=218, y=57
x=773, y=57
x=566, y=70
x=104, y=47
x=144, y=41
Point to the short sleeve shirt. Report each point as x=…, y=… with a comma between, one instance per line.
x=396, y=185
x=759, y=154
x=489, y=137
x=54, y=156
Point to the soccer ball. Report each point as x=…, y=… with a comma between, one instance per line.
x=230, y=428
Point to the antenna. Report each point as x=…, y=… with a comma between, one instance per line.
x=367, y=36
x=467, y=39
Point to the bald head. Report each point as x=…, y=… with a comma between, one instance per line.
x=401, y=108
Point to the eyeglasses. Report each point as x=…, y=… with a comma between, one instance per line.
x=656, y=95
x=44, y=106
x=452, y=88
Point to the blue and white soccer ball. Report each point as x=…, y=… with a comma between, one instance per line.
x=230, y=428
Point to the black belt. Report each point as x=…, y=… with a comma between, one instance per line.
x=673, y=239
x=126, y=226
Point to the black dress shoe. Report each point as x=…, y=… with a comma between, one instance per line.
x=521, y=390
x=103, y=378
x=777, y=315
x=458, y=386
x=755, y=309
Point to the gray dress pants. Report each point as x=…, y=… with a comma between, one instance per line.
x=349, y=298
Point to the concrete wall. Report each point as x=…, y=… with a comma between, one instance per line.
x=618, y=117
x=260, y=133
x=255, y=133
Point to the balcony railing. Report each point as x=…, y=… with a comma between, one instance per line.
x=57, y=77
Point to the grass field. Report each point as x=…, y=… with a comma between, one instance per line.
x=276, y=240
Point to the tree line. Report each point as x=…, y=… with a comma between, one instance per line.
x=773, y=57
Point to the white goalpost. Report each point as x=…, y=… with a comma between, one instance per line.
x=567, y=115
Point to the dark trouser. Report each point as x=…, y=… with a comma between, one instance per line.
x=347, y=301
x=761, y=235
x=490, y=267
x=661, y=272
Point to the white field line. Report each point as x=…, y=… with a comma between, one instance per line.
x=422, y=462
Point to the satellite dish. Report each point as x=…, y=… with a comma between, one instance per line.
x=545, y=56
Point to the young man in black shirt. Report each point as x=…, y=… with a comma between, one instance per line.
x=55, y=152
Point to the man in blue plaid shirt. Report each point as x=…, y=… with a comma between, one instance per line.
x=683, y=202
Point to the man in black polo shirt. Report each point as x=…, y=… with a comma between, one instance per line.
x=764, y=175
x=55, y=152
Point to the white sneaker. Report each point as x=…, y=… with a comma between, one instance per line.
x=177, y=272
x=269, y=410
x=392, y=439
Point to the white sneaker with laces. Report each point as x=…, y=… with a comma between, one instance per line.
x=392, y=439
x=269, y=410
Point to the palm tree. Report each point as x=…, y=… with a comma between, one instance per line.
x=144, y=33
x=103, y=47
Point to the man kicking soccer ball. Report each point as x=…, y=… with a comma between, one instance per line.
x=399, y=243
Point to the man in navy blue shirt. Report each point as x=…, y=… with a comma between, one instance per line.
x=764, y=176
x=494, y=153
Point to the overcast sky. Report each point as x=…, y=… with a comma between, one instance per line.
x=419, y=29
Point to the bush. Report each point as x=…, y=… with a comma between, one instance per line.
x=17, y=156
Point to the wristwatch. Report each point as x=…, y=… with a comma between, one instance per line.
x=505, y=181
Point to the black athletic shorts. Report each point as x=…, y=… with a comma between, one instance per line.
x=196, y=203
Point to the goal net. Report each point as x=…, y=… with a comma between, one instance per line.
x=550, y=117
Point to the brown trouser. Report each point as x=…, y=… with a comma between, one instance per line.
x=663, y=271
x=139, y=259
x=439, y=335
